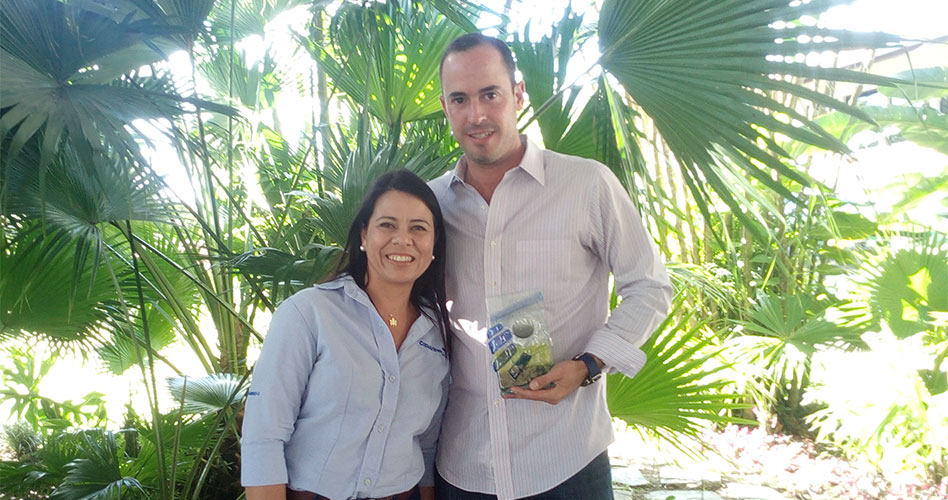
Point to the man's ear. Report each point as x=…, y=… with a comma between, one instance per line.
x=519, y=89
x=443, y=108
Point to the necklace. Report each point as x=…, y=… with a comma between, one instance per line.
x=392, y=321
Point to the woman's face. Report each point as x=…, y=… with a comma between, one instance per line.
x=398, y=240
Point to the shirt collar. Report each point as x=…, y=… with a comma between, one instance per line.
x=352, y=289
x=349, y=286
x=532, y=163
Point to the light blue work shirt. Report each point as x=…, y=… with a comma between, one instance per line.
x=333, y=408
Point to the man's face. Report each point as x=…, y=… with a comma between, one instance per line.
x=481, y=106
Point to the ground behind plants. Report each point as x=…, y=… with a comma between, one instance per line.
x=749, y=464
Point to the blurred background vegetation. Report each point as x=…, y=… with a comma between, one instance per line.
x=171, y=170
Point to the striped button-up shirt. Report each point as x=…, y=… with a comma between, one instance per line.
x=333, y=408
x=557, y=224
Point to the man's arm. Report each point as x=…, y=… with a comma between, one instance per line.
x=618, y=236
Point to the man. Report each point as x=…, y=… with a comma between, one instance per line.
x=522, y=219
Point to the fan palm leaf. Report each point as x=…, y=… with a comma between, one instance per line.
x=704, y=72
x=676, y=390
x=250, y=17
x=286, y=273
x=97, y=474
x=210, y=393
x=386, y=56
x=51, y=55
x=909, y=285
x=350, y=170
x=41, y=293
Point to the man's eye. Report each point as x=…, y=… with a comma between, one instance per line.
x=457, y=100
x=491, y=95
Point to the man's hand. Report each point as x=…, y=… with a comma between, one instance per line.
x=562, y=379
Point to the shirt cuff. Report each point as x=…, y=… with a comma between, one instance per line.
x=262, y=464
x=616, y=353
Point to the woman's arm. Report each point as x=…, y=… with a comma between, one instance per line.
x=273, y=492
x=275, y=396
x=427, y=493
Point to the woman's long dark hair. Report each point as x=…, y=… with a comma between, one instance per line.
x=428, y=290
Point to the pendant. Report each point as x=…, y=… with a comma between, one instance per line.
x=392, y=321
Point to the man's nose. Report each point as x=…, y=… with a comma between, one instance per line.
x=477, y=111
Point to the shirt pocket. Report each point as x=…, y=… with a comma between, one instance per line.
x=543, y=265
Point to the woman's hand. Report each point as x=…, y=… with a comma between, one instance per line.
x=427, y=492
x=269, y=492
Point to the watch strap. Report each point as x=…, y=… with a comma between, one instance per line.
x=592, y=368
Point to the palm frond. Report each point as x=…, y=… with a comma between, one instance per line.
x=210, y=393
x=349, y=172
x=96, y=475
x=250, y=17
x=676, y=390
x=907, y=286
x=285, y=273
x=40, y=292
x=923, y=83
x=705, y=71
x=386, y=57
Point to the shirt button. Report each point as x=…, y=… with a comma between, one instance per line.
x=493, y=283
x=493, y=243
x=391, y=378
x=496, y=402
x=368, y=482
x=379, y=427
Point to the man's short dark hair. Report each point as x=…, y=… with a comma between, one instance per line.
x=471, y=40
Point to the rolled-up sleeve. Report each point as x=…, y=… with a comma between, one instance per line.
x=273, y=403
x=640, y=277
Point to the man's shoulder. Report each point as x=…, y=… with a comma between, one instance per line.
x=572, y=169
x=441, y=184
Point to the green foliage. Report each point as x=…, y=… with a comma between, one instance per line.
x=703, y=73
x=22, y=441
x=97, y=474
x=908, y=285
x=21, y=383
x=385, y=57
x=678, y=389
x=926, y=83
x=266, y=214
x=923, y=125
x=885, y=413
x=211, y=393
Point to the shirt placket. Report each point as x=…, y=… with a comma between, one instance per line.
x=375, y=446
x=496, y=405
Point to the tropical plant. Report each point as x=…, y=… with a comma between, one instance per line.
x=679, y=391
x=87, y=95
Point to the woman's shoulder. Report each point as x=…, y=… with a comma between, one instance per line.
x=320, y=296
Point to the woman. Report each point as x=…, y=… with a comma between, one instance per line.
x=347, y=396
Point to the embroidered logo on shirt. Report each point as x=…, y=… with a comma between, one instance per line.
x=430, y=347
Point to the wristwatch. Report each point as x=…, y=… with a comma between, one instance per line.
x=594, y=372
